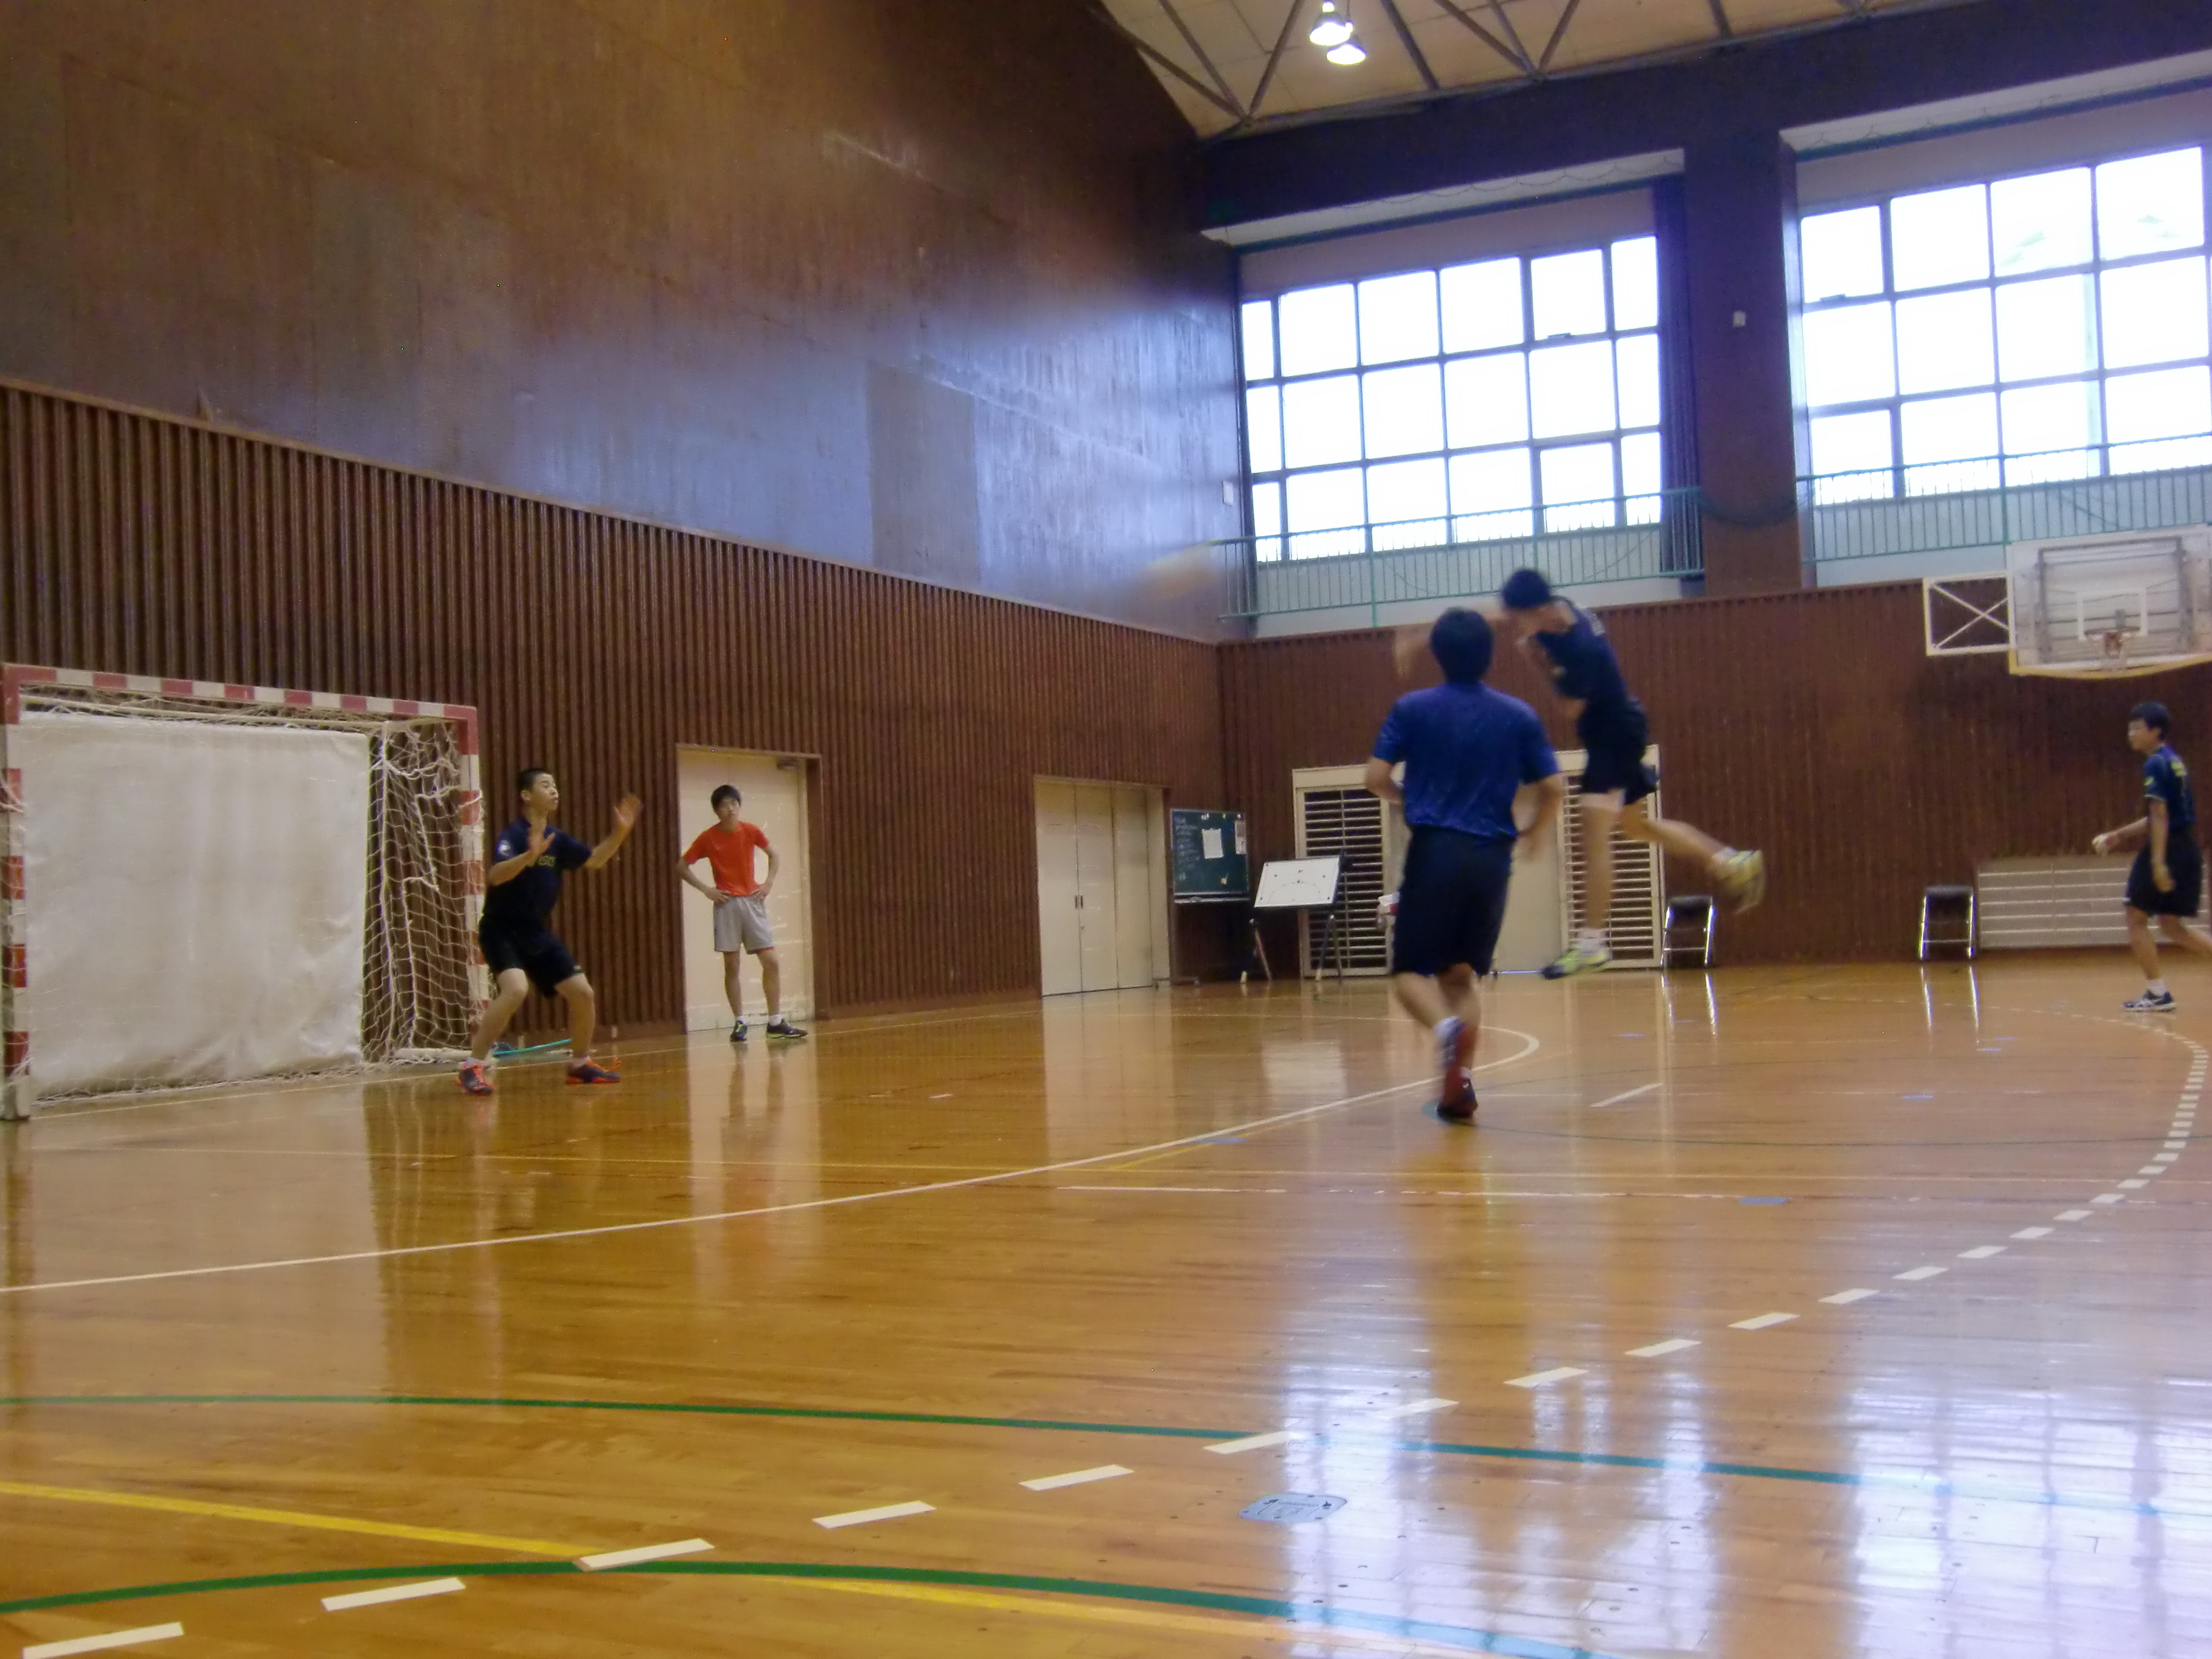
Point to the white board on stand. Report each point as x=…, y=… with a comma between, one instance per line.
x=1297, y=885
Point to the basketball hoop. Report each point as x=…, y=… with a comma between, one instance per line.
x=2099, y=607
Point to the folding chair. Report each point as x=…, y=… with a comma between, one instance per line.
x=1689, y=930
x=1947, y=918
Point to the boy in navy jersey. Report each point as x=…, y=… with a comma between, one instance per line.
x=520, y=945
x=2167, y=880
x=1570, y=645
x=1467, y=751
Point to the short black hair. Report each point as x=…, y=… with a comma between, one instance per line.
x=727, y=791
x=528, y=777
x=1525, y=589
x=1461, y=643
x=2154, y=715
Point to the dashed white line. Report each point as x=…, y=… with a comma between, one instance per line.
x=1672, y=1346
x=392, y=1593
x=861, y=1517
x=1842, y=1298
x=1762, y=1322
x=1540, y=1379
x=644, y=1552
x=1416, y=1409
x=2110, y=1198
x=2034, y=1233
x=121, y=1638
x=1081, y=1477
x=2129, y=1185
x=1981, y=1253
x=2072, y=1215
x=2154, y=1167
x=1615, y=1100
x=1922, y=1272
x=1254, y=1441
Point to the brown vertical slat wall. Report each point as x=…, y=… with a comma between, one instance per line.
x=138, y=543
x=1811, y=725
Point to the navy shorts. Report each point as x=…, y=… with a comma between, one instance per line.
x=1614, y=736
x=2185, y=864
x=1451, y=902
x=538, y=952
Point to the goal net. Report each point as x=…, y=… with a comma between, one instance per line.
x=211, y=883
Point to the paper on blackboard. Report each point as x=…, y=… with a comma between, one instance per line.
x=1209, y=841
x=1240, y=835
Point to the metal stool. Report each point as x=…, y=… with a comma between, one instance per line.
x=1953, y=905
x=1689, y=929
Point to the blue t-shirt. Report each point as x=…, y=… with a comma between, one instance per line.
x=522, y=904
x=1583, y=666
x=2165, y=778
x=1467, y=749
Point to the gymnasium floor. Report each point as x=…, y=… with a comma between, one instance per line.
x=1806, y=1313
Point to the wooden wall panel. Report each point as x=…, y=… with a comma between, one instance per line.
x=595, y=645
x=1810, y=725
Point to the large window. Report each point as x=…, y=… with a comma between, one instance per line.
x=1468, y=404
x=2028, y=330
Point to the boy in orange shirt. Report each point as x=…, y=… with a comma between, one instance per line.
x=740, y=908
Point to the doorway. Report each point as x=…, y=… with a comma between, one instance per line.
x=1102, y=885
x=775, y=791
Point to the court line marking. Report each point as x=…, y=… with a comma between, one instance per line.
x=1615, y=1100
x=120, y=1638
x=1532, y=1044
x=1843, y=1299
x=2073, y=1215
x=392, y=1592
x=1257, y=1442
x=1416, y=1408
x=883, y=1512
x=1915, y=1274
x=607, y=1559
x=2110, y=1198
x=1543, y=1379
x=1983, y=1252
x=2034, y=1233
x=1079, y=1478
x=131, y=1500
x=1762, y=1322
x=1672, y=1346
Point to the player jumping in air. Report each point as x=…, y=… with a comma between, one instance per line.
x=1570, y=644
x=1467, y=751
x=519, y=946
x=2168, y=877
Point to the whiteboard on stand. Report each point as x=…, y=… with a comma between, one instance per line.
x=1297, y=885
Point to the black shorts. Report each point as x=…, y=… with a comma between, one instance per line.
x=1614, y=736
x=2185, y=864
x=1451, y=903
x=538, y=951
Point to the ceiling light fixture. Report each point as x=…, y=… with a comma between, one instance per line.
x=1350, y=53
x=1333, y=30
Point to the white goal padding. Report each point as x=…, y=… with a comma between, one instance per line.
x=197, y=894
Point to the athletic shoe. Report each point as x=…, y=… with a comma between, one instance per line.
x=737, y=1032
x=1576, y=960
x=475, y=1078
x=784, y=1028
x=1454, y=1048
x=1742, y=878
x=2151, y=1002
x=584, y=1071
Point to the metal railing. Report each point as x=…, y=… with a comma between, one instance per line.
x=1953, y=507
x=1368, y=567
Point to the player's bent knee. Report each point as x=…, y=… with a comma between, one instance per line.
x=576, y=988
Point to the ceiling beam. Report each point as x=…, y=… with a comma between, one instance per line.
x=1206, y=62
x=1720, y=19
x=1558, y=34
x=1515, y=54
x=1166, y=64
x=1275, y=58
x=1405, y=39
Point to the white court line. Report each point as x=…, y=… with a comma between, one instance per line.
x=1539, y=1379
x=1073, y=1187
x=1917, y=1274
x=1674, y=1345
x=121, y=1638
x=861, y=1517
x=392, y=1593
x=2131, y=1184
x=1531, y=1044
x=2163, y=1158
x=2032, y=1232
x=2110, y=1198
x=1081, y=1477
x=1981, y=1253
x=1762, y=1323
x=1416, y=1409
x=1615, y=1100
x=647, y=1553
x=1843, y=1299
x=1254, y=1441
x=2072, y=1215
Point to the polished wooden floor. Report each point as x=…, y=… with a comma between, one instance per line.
x=1590, y=1378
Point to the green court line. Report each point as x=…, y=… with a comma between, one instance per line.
x=1927, y=1485
x=1473, y=1641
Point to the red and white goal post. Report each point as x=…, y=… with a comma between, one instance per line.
x=206, y=884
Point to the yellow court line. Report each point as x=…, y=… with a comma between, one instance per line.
x=1262, y=1630
x=293, y=1518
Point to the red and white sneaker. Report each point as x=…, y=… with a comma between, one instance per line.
x=1455, y=1049
x=585, y=1072
x=475, y=1078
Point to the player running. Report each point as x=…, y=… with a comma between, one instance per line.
x=1571, y=645
x=1467, y=751
x=520, y=945
x=2167, y=880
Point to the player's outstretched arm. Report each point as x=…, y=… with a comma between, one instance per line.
x=2125, y=839
x=626, y=811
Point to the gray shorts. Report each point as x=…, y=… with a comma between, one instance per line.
x=741, y=924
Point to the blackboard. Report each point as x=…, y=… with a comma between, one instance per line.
x=1199, y=870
